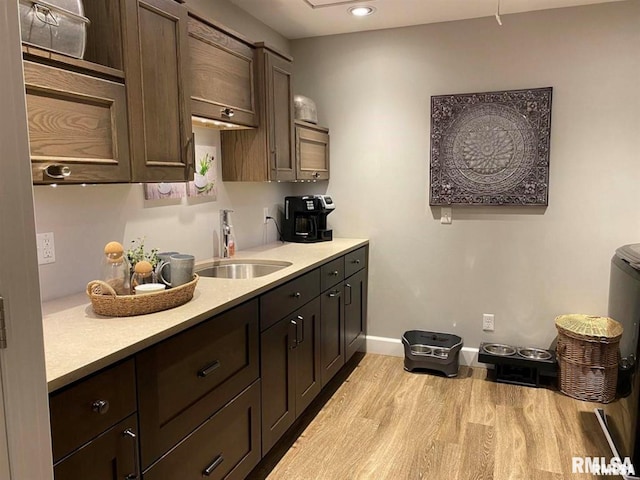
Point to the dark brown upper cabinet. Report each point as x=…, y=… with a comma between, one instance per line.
x=122, y=112
x=156, y=55
x=265, y=153
x=221, y=74
x=312, y=151
x=77, y=126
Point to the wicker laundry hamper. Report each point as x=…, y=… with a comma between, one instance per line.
x=588, y=354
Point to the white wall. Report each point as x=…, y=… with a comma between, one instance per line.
x=524, y=265
x=84, y=219
x=237, y=19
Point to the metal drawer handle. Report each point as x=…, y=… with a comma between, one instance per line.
x=334, y=293
x=208, y=369
x=57, y=171
x=100, y=406
x=131, y=434
x=356, y=261
x=216, y=461
x=296, y=295
x=228, y=112
x=335, y=273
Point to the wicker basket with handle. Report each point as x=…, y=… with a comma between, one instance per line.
x=105, y=301
x=588, y=354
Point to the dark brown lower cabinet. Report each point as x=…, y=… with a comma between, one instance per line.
x=227, y=446
x=185, y=379
x=332, y=332
x=113, y=455
x=355, y=313
x=290, y=360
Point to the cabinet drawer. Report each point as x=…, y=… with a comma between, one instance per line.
x=89, y=407
x=354, y=261
x=285, y=299
x=225, y=446
x=184, y=380
x=331, y=273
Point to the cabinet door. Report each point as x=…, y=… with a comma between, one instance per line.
x=332, y=332
x=278, y=381
x=157, y=91
x=307, y=355
x=355, y=312
x=111, y=456
x=77, y=122
x=312, y=152
x=221, y=74
x=279, y=103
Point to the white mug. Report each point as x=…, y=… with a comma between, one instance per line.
x=181, y=268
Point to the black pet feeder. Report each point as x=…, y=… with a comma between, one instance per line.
x=432, y=351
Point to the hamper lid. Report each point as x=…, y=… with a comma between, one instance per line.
x=589, y=325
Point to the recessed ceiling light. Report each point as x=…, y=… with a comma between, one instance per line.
x=361, y=11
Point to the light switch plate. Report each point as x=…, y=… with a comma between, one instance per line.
x=445, y=215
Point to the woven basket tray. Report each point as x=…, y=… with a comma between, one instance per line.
x=105, y=301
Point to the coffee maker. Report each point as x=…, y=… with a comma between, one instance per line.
x=305, y=219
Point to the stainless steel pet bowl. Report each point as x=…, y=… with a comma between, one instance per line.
x=534, y=353
x=499, y=349
x=421, y=350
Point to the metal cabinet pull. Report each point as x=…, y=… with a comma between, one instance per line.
x=294, y=342
x=57, y=171
x=216, y=461
x=203, y=372
x=227, y=112
x=316, y=174
x=132, y=435
x=299, y=329
x=334, y=293
x=348, y=290
x=335, y=273
x=100, y=406
x=356, y=261
x=296, y=295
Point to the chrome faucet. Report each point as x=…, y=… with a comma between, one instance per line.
x=225, y=233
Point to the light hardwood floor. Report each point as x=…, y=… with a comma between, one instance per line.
x=386, y=423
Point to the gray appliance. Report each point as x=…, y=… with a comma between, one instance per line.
x=619, y=420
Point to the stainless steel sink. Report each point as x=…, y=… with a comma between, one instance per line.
x=239, y=269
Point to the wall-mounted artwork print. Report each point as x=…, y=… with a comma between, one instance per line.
x=204, y=180
x=161, y=191
x=491, y=148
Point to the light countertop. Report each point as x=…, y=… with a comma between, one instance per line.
x=78, y=342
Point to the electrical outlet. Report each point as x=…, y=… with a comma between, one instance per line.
x=46, y=248
x=488, y=322
x=265, y=214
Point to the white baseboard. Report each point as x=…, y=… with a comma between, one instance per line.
x=393, y=347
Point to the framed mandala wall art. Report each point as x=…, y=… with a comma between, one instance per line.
x=491, y=148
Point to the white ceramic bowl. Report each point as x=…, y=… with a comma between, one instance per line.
x=149, y=288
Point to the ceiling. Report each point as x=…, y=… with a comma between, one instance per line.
x=311, y=18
